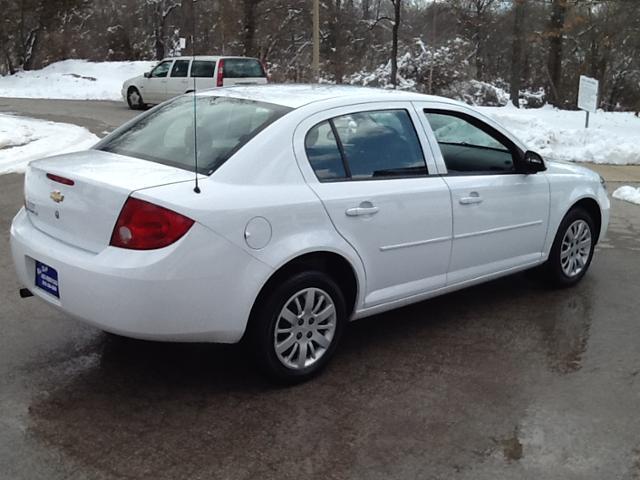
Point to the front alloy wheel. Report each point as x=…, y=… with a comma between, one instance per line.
x=295, y=327
x=572, y=249
x=576, y=248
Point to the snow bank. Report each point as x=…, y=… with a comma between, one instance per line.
x=74, y=80
x=25, y=139
x=612, y=137
x=627, y=193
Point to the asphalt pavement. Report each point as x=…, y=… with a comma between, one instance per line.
x=507, y=380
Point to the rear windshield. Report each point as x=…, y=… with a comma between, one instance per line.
x=166, y=135
x=243, y=68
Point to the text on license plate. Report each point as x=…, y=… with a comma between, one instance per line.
x=47, y=279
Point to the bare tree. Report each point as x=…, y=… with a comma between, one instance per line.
x=519, y=7
x=397, y=7
x=556, y=40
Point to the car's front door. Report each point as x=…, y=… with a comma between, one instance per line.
x=368, y=167
x=178, y=81
x=156, y=84
x=500, y=215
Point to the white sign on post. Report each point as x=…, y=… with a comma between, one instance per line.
x=183, y=43
x=588, y=96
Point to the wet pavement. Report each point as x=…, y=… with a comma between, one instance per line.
x=506, y=380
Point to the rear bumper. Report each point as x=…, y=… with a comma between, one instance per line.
x=199, y=289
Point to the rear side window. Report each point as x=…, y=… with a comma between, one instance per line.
x=324, y=154
x=166, y=134
x=180, y=69
x=203, y=69
x=372, y=145
x=242, y=68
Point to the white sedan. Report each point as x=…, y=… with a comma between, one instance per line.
x=317, y=205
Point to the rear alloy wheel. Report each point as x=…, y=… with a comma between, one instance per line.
x=134, y=99
x=296, y=328
x=572, y=249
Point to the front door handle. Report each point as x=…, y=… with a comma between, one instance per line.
x=365, y=208
x=473, y=198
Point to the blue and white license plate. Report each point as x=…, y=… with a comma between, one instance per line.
x=47, y=279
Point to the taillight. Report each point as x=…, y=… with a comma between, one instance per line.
x=220, y=80
x=145, y=226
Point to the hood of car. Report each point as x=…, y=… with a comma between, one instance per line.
x=569, y=168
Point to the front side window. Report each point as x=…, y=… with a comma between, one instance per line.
x=162, y=70
x=203, y=69
x=371, y=145
x=468, y=146
x=180, y=69
x=166, y=134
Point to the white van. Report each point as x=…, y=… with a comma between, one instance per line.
x=178, y=75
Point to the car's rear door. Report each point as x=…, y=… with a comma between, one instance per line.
x=500, y=215
x=368, y=166
x=178, y=81
x=203, y=74
x=242, y=71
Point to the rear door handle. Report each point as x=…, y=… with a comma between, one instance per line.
x=365, y=208
x=473, y=198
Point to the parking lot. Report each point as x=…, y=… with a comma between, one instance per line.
x=505, y=380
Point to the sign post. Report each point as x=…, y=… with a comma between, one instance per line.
x=588, y=96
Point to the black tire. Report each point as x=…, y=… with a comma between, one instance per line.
x=133, y=104
x=266, y=315
x=553, y=269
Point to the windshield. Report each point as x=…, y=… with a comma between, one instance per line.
x=165, y=135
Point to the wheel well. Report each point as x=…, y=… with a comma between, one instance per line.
x=593, y=209
x=334, y=265
x=132, y=87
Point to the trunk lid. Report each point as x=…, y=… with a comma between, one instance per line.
x=84, y=214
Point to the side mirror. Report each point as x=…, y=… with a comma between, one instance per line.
x=532, y=162
x=147, y=74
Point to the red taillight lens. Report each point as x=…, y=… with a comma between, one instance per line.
x=59, y=179
x=220, y=80
x=145, y=226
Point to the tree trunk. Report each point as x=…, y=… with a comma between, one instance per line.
x=554, y=62
x=394, y=42
x=337, y=61
x=518, y=44
x=188, y=25
x=249, y=27
x=159, y=42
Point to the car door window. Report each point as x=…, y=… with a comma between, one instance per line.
x=470, y=147
x=180, y=69
x=371, y=145
x=162, y=70
x=323, y=153
x=203, y=69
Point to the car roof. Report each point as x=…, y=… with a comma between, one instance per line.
x=206, y=57
x=298, y=95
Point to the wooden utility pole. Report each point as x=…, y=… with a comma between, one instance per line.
x=315, y=63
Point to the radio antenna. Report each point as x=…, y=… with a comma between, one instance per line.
x=195, y=102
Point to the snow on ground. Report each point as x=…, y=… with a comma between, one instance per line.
x=612, y=137
x=74, y=80
x=25, y=139
x=627, y=193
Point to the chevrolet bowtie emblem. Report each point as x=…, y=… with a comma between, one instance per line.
x=56, y=196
